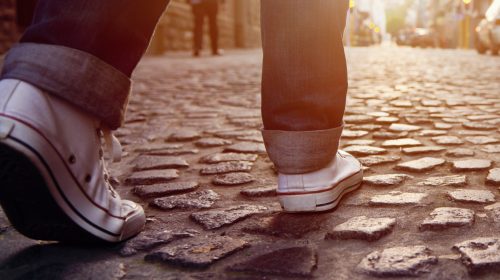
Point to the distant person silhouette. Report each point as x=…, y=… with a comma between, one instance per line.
x=205, y=9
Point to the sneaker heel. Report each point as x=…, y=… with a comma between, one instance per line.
x=299, y=203
x=28, y=204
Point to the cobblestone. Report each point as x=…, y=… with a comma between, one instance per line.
x=491, y=149
x=493, y=177
x=403, y=142
x=247, y=147
x=144, y=241
x=362, y=227
x=423, y=150
x=183, y=135
x=397, y=198
x=364, y=150
x=479, y=126
x=482, y=140
x=346, y=133
x=447, y=140
x=445, y=181
x=460, y=152
x=260, y=192
x=386, y=180
x=389, y=135
x=398, y=261
x=466, y=195
x=212, y=142
x=233, y=179
x=195, y=200
x=376, y=160
x=399, y=127
x=158, y=162
x=152, y=177
x=421, y=165
x=200, y=252
x=446, y=217
x=164, y=189
x=432, y=132
x=480, y=254
x=286, y=225
x=494, y=210
x=213, y=219
x=225, y=157
x=471, y=164
x=227, y=167
x=404, y=100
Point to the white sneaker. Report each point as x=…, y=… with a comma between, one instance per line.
x=320, y=190
x=53, y=181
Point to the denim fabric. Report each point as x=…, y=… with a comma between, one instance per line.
x=84, y=51
x=297, y=152
x=304, y=75
x=75, y=76
x=304, y=81
x=116, y=31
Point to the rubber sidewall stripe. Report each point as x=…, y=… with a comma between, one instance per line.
x=68, y=202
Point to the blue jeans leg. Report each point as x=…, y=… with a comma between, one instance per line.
x=304, y=81
x=84, y=51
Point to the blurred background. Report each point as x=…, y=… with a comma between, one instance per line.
x=465, y=24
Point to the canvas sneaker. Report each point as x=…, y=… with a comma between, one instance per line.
x=53, y=180
x=320, y=190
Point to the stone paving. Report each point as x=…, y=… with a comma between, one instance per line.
x=425, y=124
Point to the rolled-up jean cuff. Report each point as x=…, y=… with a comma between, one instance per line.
x=296, y=152
x=73, y=75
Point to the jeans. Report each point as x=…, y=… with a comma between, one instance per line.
x=84, y=51
x=207, y=9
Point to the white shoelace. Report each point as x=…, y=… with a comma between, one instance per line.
x=113, y=146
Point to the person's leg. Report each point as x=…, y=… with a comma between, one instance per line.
x=304, y=86
x=68, y=79
x=199, y=18
x=71, y=43
x=213, y=10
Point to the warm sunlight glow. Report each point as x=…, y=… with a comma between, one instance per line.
x=352, y=4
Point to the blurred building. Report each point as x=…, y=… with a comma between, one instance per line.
x=453, y=21
x=367, y=22
x=239, y=24
x=8, y=27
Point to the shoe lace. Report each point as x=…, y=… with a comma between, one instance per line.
x=112, y=145
x=114, y=149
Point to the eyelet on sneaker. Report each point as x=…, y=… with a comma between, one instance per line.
x=72, y=159
x=88, y=178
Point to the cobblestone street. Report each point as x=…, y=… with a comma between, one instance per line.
x=425, y=123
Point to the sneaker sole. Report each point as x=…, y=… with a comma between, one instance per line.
x=33, y=199
x=30, y=208
x=319, y=201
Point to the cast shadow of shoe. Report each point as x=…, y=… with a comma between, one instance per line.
x=61, y=261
